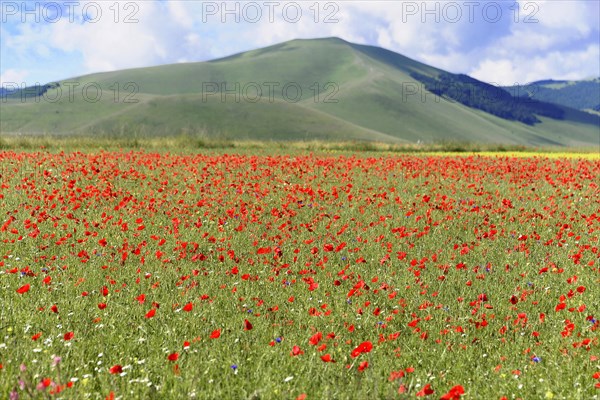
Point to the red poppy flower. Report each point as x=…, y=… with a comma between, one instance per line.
x=23, y=289
x=247, y=325
x=364, y=347
x=173, y=356
x=454, y=393
x=68, y=335
x=151, y=313
x=327, y=358
x=363, y=365
x=426, y=391
x=296, y=351
x=215, y=334
x=396, y=375
x=188, y=307
x=316, y=338
x=116, y=369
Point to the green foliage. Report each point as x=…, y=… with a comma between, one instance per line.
x=581, y=95
x=30, y=93
x=494, y=100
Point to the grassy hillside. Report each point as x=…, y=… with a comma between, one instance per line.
x=322, y=89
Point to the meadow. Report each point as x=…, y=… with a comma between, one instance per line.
x=298, y=274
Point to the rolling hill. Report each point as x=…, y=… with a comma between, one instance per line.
x=326, y=89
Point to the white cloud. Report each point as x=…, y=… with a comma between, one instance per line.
x=562, y=44
x=111, y=43
x=575, y=16
x=556, y=65
x=12, y=77
x=497, y=71
x=455, y=62
x=180, y=13
x=563, y=41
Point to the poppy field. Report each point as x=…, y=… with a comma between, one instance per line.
x=133, y=274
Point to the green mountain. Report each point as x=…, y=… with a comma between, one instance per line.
x=325, y=89
x=582, y=95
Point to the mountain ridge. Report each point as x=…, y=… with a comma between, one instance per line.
x=327, y=89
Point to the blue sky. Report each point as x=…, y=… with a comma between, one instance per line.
x=502, y=42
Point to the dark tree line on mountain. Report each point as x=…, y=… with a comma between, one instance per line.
x=491, y=99
x=30, y=91
x=581, y=95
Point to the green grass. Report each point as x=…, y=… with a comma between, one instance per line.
x=190, y=141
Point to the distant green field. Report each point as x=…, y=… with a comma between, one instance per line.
x=187, y=143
